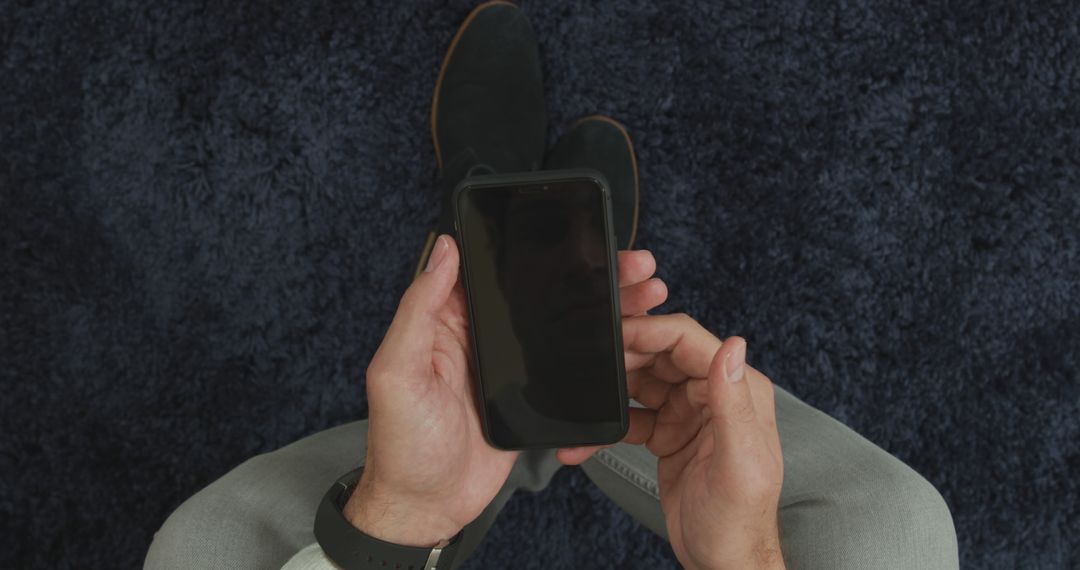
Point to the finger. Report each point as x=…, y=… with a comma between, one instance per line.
x=635, y=266
x=641, y=427
x=691, y=348
x=664, y=368
x=764, y=395
x=765, y=405
x=638, y=360
x=412, y=331
x=641, y=297
x=678, y=405
x=674, y=431
x=577, y=455
x=659, y=364
x=642, y=424
x=701, y=445
x=697, y=392
x=677, y=422
x=731, y=402
x=646, y=389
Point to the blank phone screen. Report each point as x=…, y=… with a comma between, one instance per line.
x=538, y=265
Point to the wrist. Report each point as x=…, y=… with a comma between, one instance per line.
x=767, y=555
x=387, y=516
x=758, y=553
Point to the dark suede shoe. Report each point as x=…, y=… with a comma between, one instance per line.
x=488, y=112
x=601, y=143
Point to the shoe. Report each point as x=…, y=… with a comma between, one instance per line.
x=487, y=114
x=602, y=143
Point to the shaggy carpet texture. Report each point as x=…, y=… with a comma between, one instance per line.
x=209, y=210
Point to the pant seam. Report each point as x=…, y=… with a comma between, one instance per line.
x=626, y=472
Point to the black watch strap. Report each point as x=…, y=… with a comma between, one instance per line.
x=351, y=549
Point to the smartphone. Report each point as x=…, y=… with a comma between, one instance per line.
x=539, y=265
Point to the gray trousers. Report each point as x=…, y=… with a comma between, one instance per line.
x=845, y=504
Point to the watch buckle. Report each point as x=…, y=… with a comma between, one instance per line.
x=433, y=558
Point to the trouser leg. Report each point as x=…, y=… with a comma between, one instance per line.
x=262, y=512
x=845, y=504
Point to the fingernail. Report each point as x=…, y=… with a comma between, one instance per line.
x=734, y=367
x=438, y=254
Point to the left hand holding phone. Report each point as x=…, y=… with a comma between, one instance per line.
x=429, y=471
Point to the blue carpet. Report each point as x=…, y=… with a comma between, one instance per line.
x=208, y=212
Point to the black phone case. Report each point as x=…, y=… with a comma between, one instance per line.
x=541, y=177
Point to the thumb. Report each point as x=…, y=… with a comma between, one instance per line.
x=406, y=349
x=731, y=403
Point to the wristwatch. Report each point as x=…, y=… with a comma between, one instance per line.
x=351, y=549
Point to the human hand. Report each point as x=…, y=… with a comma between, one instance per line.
x=429, y=470
x=711, y=420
